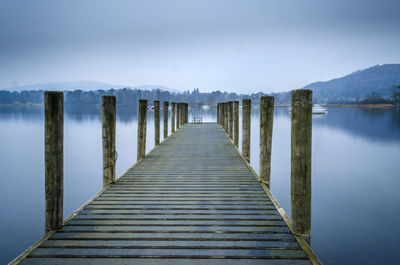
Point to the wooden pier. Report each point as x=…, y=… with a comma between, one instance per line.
x=194, y=199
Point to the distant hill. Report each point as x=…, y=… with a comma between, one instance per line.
x=357, y=85
x=83, y=85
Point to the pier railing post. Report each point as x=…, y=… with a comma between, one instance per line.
x=173, y=104
x=230, y=119
x=217, y=113
x=246, y=126
x=300, y=191
x=221, y=114
x=226, y=117
x=165, y=117
x=142, y=124
x=187, y=112
x=178, y=115
x=236, y=123
x=54, y=159
x=108, y=117
x=156, y=122
x=266, y=125
x=182, y=114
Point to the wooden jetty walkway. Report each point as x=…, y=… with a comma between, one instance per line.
x=194, y=199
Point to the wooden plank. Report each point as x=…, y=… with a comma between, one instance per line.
x=168, y=253
x=152, y=261
x=172, y=244
x=171, y=236
x=179, y=222
x=178, y=229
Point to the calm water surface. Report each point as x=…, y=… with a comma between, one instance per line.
x=355, y=176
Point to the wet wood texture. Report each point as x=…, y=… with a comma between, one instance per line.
x=192, y=200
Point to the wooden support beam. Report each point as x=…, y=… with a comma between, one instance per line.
x=54, y=159
x=266, y=125
x=301, y=136
x=173, y=104
x=178, y=115
x=165, y=117
x=236, y=123
x=230, y=119
x=142, y=124
x=246, y=128
x=156, y=122
x=108, y=117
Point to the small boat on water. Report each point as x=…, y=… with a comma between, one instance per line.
x=205, y=107
x=150, y=107
x=316, y=109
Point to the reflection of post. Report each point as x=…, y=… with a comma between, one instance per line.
x=230, y=120
x=54, y=159
x=236, y=123
x=108, y=136
x=173, y=117
x=301, y=162
x=141, y=134
x=266, y=121
x=156, y=122
x=246, y=121
x=165, y=117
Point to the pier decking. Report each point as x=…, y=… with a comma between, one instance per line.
x=192, y=200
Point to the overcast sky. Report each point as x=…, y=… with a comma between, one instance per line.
x=241, y=46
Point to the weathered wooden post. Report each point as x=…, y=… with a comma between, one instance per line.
x=226, y=117
x=217, y=113
x=246, y=126
x=156, y=122
x=165, y=117
x=187, y=113
x=142, y=124
x=178, y=115
x=54, y=159
x=182, y=114
x=221, y=114
x=108, y=117
x=230, y=119
x=301, y=162
x=173, y=117
x=236, y=123
x=266, y=124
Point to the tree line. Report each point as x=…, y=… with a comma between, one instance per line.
x=128, y=97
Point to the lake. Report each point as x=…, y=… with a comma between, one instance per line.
x=355, y=175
